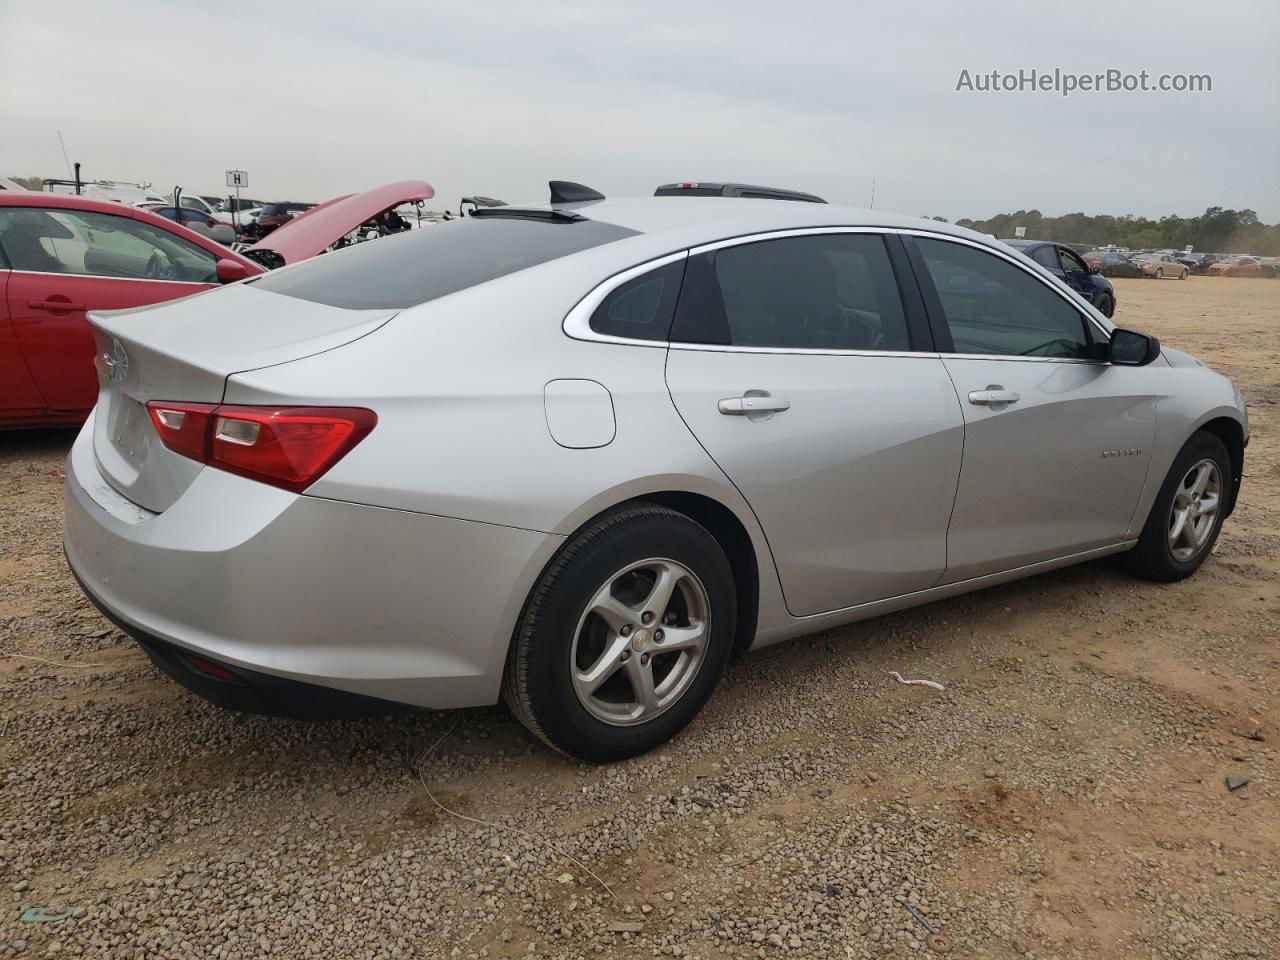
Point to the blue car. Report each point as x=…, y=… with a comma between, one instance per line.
x=1065, y=264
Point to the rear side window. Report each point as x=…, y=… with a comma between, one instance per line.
x=993, y=307
x=825, y=292
x=641, y=308
x=414, y=267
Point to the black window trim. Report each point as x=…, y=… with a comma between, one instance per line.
x=1094, y=331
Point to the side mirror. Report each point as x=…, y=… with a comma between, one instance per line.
x=1132, y=349
x=222, y=233
x=229, y=271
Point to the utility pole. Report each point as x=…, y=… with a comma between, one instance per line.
x=873, y=193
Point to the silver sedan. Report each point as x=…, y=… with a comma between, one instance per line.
x=576, y=455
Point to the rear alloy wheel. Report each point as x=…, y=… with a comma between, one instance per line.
x=1188, y=512
x=624, y=636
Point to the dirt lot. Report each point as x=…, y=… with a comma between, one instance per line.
x=1064, y=798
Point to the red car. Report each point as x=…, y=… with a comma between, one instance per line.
x=61, y=255
x=1237, y=267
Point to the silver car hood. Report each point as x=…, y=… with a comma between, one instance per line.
x=1177, y=358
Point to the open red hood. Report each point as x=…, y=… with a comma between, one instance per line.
x=321, y=226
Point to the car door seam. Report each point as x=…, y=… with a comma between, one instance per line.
x=955, y=495
x=666, y=384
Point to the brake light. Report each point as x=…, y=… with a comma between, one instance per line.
x=288, y=447
x=183, y=427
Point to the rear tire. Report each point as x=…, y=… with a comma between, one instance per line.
x=1159, y=273
x=1160, y=554
x=601, y=667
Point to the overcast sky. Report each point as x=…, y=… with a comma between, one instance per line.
x=316, y=98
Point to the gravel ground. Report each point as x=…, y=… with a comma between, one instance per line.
x=1064, y=798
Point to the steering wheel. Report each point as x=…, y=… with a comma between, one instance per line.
x=160, y=267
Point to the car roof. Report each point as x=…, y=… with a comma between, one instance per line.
x=1028, y=244
x=682, y=221
x=69, y=201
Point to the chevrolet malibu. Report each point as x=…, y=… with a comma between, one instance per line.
x=576, y=455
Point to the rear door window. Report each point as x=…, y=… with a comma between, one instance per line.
x=421, y=265
x=823, y=292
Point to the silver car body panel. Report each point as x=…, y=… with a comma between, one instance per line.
x=861, y=431
x=335, y=594
x=417, y=550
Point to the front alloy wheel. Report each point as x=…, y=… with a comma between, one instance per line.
x=1194, y=512
x=1187, y=513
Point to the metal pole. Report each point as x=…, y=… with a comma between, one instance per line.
x=77, y=178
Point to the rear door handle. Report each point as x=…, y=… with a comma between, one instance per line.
x=743, y=406
x=993, y=396
x=59, y=305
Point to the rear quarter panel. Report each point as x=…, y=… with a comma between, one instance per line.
x=458, y=385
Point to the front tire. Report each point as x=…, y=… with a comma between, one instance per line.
x=1106, y=306
x=1187, y=514
x=1182, y=275
x=1159, y=273
x=624, y=636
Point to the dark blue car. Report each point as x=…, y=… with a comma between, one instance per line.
x=1065, y=264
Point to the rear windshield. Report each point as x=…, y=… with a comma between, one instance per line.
x=412, y=268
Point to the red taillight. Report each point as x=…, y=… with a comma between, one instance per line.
x=183, y=427
x=289, y=447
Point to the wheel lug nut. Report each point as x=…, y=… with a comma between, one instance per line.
x=626, y=655
x=658, y=636
x=644, y=659
x=626, y=630
x=646, y=617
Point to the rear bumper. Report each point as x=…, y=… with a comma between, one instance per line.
x=247, y=691
x=286, y=589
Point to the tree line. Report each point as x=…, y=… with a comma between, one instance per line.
x=1217, y=230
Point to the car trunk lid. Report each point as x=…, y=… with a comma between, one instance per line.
x=185, y=350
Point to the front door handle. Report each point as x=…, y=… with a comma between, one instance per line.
x=55, y=306
x=993, y=396
x=745, y=406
